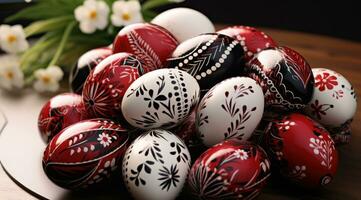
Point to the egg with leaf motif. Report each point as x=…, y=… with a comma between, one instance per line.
x=302, y=150
x=161, y=98
x=230, y=170
x=156, y=165
x=333, y=103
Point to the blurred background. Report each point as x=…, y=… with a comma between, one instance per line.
x=333, y=18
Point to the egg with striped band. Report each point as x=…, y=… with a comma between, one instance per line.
x=210, y=58
x=161, y=98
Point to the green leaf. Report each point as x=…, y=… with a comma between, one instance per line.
x=52, y=24
x=151, y=4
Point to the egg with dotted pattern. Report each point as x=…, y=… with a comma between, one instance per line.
x=85, y=153
x=251, y=39
x=161, y=98
x=333, y=103
x=210, y=58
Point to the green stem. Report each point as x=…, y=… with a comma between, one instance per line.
x=63, y=41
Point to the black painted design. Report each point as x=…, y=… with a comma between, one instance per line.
x=179, y=151
x=153, y=150
x=169, y=177
x=137, y=172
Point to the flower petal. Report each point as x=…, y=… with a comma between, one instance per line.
x=87, y=27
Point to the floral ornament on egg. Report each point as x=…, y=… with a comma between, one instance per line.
x=126, y=12
x=92, y=15
x=13, y=39
x=47, y=80
x=11, y=75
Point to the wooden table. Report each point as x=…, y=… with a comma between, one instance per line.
x=320, y=51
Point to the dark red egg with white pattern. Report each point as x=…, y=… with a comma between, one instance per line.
x=251, y=39
x=285, y=77
x=303, y=150
x=85, y=64
x=85, y=153
x=106, y=85
x=150, y=43
x=59, y=112
x=230, y=170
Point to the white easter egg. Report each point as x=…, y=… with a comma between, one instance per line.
x=231, y=109
x=160, y=98
x=184, y=23
x=155, y=166
x=333, y=103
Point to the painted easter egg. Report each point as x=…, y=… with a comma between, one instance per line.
x=156, y=165
x=285, y=76
x=230, y=170
x=231, y=109
x=150, y=43
x=251, y=39
x=210, y=58
x=58, y=113
x=303, y=150
x=333, y=103
x=161, y=98
x=106, y=85
x=85, y=64
x=85, y=153
x=177, y=21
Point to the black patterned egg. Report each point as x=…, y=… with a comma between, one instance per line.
x=210, y=58
x=156, y=165
x=161, y=98
x=285, y=77
x=85, y=64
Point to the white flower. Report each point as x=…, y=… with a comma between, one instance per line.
x=240, y=153
x=47, y=80
x=104, y=139
x=13, y=39
x=92, y=15
x=11, y=75
x=126, y=12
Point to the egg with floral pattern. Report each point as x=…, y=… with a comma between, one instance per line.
x=58, y=113
x=231, y=109
x=333, y=103
x=285, y=77
x=150, y=43
x=161, y=98
x=303, y=150
x=210, y=58
x=85, y=64
x=106, y=85
x=230, y=170
x=251, y=39
x=156, y=165
x=85, y=153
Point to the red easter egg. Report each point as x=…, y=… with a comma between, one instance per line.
x=303, y=150
x=59, y=112
x=251, y=39
x=85, y=153
x=106, y=85
x=150, y=43
x=230, y=170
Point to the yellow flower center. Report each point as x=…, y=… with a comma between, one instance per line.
x=11, y=38
x=126, y=16
x=93, y=14
x=46, y=79
x=9, y=75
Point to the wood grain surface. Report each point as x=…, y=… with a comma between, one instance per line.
x=320, y=51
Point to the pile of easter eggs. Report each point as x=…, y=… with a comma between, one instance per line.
x=172, y=104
